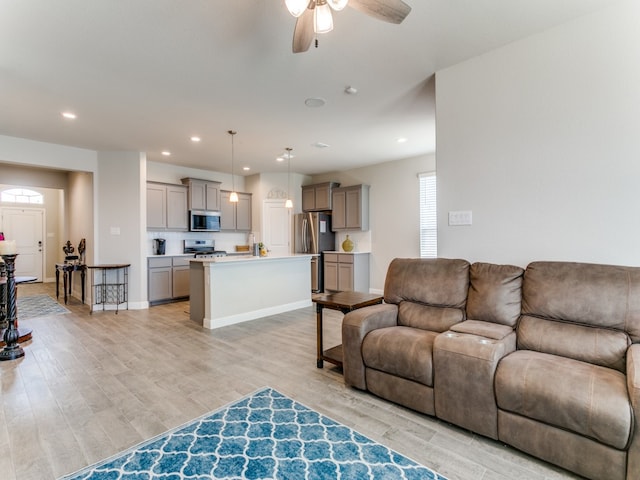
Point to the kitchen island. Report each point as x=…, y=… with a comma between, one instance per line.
x=228, y=290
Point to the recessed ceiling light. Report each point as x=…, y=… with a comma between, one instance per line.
x=320, y=145
x=401, y=140
x=69, y=115
x=351, y=90
x=279, y=159
x=195, y=139
x=315, y=102
x=246, y=169
x=166, y=153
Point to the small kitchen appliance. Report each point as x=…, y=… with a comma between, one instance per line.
x=159, y=246
x=204, y=221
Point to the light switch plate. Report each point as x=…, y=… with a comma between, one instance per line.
x=115, y=230
x=460, y=217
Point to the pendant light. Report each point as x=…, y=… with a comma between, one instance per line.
x=288, y=203
x=233, y=197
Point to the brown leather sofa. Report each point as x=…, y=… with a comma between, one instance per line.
x=545, y=359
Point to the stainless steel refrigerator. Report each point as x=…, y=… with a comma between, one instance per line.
x=313, y=235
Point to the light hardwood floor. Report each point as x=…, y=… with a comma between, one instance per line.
x=93, y=385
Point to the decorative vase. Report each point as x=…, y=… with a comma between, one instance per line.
x=347, y=245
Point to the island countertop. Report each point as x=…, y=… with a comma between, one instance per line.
x=249, y=258
x=228, y=290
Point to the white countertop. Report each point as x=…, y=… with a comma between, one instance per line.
x=250, y=258
x=344, y=253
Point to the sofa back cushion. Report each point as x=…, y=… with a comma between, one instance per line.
x=592, y=311
x=599, y=346
x=605, y=296
x=431, y=293
x=495, y=293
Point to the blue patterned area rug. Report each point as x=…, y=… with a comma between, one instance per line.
x=266, y=435
x=38, y=306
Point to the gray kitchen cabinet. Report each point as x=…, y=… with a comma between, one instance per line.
x=235, y=216
x=180, y=277
x=346, y=272
x=159, y=279
x=168, y=279
x=317, y=197
x=203, y=194
x=167, y=207
x=350, y=208
x=156, y=206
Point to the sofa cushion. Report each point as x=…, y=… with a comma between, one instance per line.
x=438, y=282
x=495, y=293
x=600, y=295
x=599, y=346
x=402, y=351
x=494, y=331
x=580, y=397
x=426, y=317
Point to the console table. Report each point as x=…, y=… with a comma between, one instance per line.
x=67, y=270
x=345, y=302
x=112, y=286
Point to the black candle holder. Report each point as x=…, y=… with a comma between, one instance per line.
x=12, y=349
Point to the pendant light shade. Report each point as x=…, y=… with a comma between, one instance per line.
x=296, y=7
x=233, y=198
x=288, y=203
x=337, y=5
x=322, y=18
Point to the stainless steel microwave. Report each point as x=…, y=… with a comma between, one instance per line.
x=204, y=221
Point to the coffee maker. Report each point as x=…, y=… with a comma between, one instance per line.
x=158, y=246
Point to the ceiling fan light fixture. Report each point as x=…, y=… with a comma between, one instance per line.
x=337, y=5
x=322, y=18
x=296, y=7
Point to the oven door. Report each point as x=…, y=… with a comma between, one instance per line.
x=204, y=221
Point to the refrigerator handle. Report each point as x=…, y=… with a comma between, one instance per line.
x=305, y=236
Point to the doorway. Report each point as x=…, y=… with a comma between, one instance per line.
x=276, y=228
x=26, y=227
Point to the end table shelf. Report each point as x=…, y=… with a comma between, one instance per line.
x=112, y=286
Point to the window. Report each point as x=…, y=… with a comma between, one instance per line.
x=428, y=219
x=21, y=195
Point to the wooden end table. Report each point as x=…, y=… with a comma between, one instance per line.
x=344, y=302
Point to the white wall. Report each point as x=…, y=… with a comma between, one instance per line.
x=540, y=140
x=394, y=208
x=121, y=205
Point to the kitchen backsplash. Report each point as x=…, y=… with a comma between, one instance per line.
x=361, y=240
x=224, y=240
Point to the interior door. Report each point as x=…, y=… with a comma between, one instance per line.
x=26, y=226
x=276, y=227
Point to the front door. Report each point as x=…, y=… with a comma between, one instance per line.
x=26, y=226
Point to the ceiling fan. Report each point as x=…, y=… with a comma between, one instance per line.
x=314, y=16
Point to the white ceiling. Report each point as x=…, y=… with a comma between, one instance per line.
x=146, y=75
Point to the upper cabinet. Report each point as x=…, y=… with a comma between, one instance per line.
x=167, y=207
x=350, y=208
x=203, y=194
x=317, y=197
x=235, y=216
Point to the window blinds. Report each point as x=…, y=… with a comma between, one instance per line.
x=428, y=217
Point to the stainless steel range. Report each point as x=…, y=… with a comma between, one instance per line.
x=203, y=249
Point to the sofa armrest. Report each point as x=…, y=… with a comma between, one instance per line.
x=633, y=388
x=355, y=326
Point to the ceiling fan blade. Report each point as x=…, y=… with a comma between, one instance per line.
x=392, y=11
x=303, y=33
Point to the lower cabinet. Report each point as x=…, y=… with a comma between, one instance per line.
x=168, y=279
x=346, y=272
